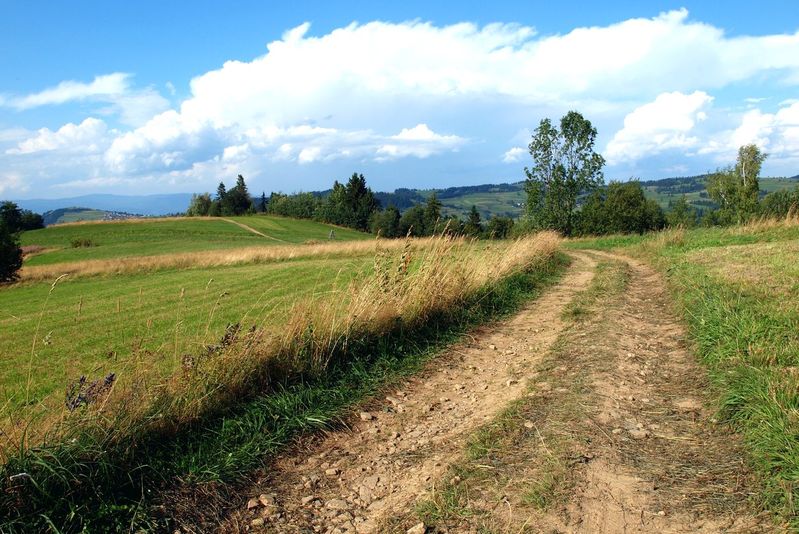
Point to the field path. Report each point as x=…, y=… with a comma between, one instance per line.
x=252, y=230
x=648, y=459
x=380, y=466
x=656, y=460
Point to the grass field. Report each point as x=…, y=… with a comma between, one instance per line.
x=739, y=289
x=149, y=237
x=307, y=314
x=94, y=326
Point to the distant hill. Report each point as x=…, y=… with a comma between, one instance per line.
x=694, y=189
x=65, y=215
x=141, y=204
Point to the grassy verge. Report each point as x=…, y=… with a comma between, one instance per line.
x=177, y=457
x=738, y=290
x=522, y=463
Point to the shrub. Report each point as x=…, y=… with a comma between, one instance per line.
x=82, y=242
x=10, y=255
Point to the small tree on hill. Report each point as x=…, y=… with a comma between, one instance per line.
x=237, y=199
x=200, y=205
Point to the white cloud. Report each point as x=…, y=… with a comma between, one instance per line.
x=666, y=123
x=776, y=133
x=514, y=155
x=12, y=182
x=309, y=154
x=108, y=85
x=134, y=106
x=88, y=136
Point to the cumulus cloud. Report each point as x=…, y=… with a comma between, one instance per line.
x=514, y=155
x=344, y=95
x=776, y=133
x=666, y=123
x=12, y=182
x=88, y=136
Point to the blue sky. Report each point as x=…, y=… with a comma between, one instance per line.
x=173, y=96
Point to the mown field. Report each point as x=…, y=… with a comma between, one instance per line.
x=150, y=237
x=739, y=291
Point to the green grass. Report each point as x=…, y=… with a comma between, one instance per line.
x=96, y=484
x=738, y=289
x=97, y=325
x=504, y=203
x=167, y=236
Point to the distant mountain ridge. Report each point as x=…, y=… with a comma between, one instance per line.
x=151, y=205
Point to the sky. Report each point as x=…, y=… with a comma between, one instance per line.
x=157, y=97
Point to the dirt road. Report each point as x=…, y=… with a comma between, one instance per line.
x=608, y=404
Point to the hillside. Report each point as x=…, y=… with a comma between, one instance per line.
x=70, y=215
x=151, y=237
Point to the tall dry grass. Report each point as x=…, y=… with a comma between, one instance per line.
x=412, y=281
x=762, y=224
x=211, y=258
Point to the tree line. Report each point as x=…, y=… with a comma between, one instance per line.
x=353, y=205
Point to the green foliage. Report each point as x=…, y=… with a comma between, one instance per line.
x=17, y=220
x=412, y=222
x=386, y=223
x=432, y=214
x=564, y=166
x=82, y=242
x=681, y=213
x=10, y=254
x=499, y=227
x=736, y=189
x=473, y=227
x=299, y=206
x=235, y=201
x=780, y=203
x=200, y=205
x=620, y=208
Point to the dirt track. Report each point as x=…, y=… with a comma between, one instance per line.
x=652, y=461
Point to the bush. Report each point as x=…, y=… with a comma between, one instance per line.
x=82, y=242
x=10, y=255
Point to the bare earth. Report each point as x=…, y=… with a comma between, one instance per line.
x=653, y=461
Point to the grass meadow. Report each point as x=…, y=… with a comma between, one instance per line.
x=739, y=291
x=151, y=237
x=185, y=352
